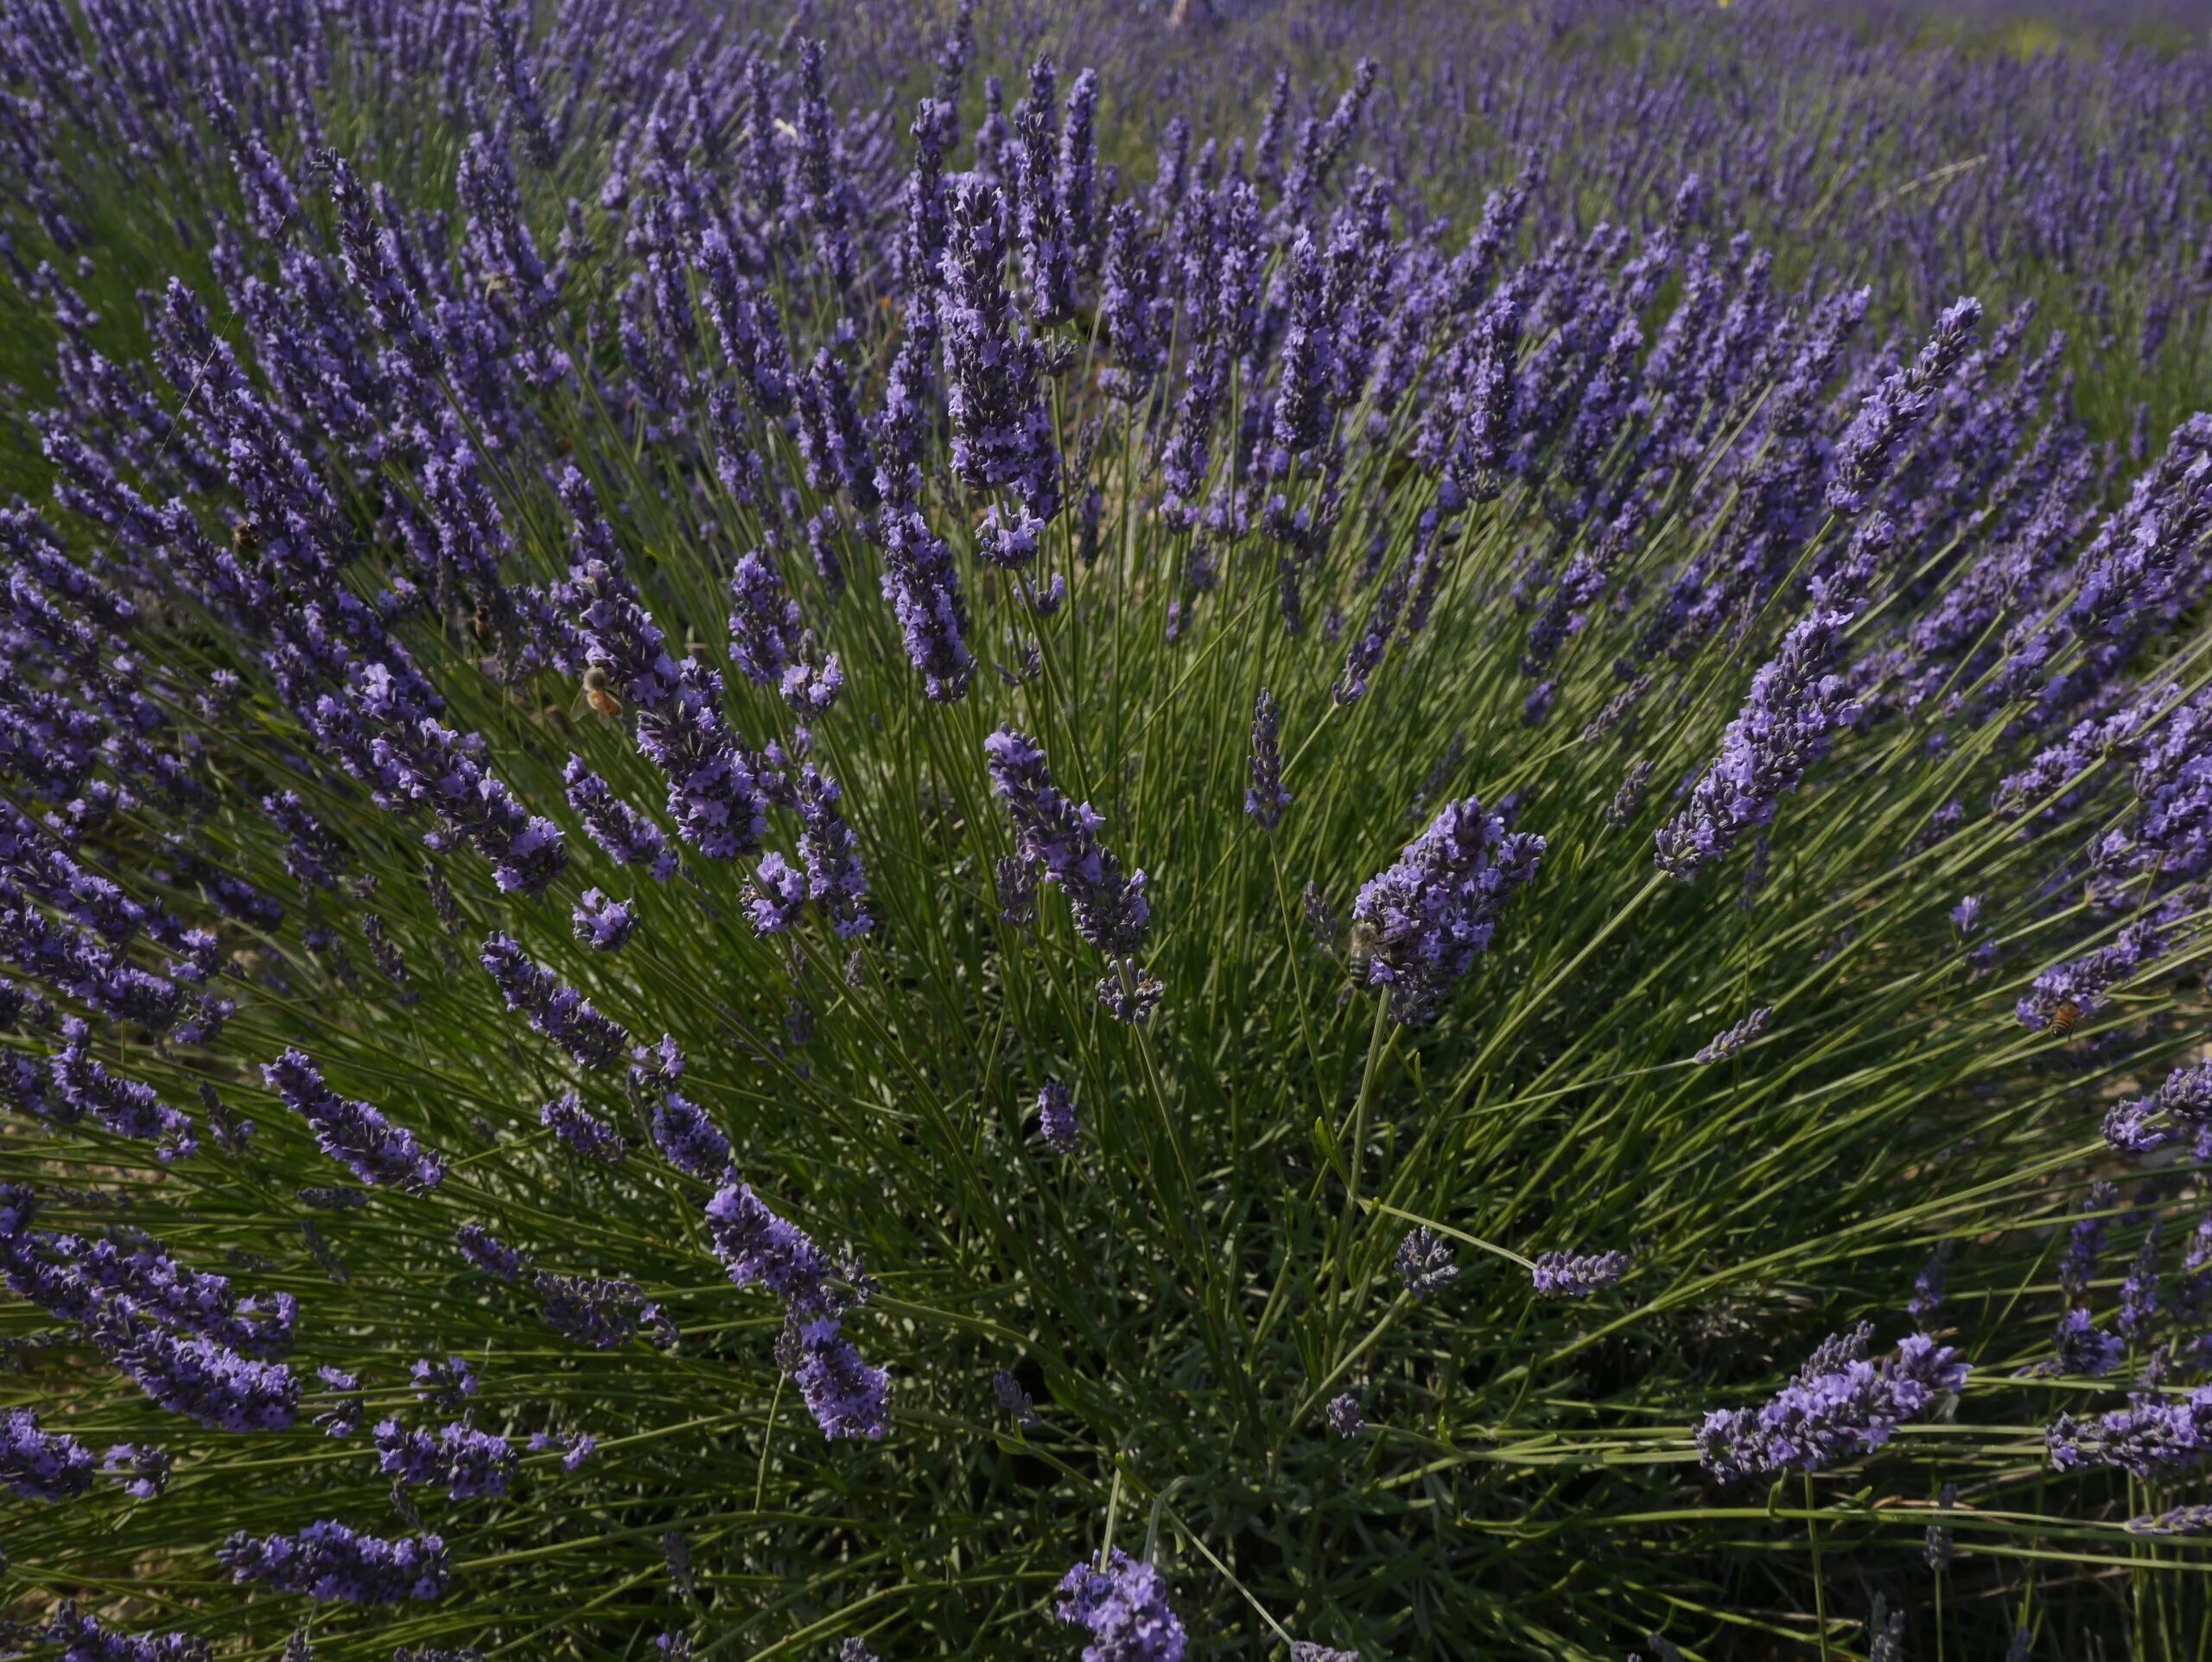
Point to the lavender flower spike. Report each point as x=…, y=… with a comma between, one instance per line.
x=354, y=1134
x=1062, y=837
x=1838, y=1405
x=1056, y=1120
x=1125, y=1607
x=1433, y=912
x=1796, y=706
x=1267, y=798
x=1424, y=1262
x=41, y=1465
x=1567, y=1275
x=330, y=1564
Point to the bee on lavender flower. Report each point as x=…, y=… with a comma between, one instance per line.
x=598, y=692
x=2063, y=1018
x=1359, y=951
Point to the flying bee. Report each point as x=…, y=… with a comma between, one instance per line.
x=481, y=625
x=496, y=284
x=2063, y=1018
x=1359, y=951
x=598, y=692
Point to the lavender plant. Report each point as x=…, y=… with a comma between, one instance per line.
x=691, y=697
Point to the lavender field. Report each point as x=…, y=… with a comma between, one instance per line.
x=1301, y=829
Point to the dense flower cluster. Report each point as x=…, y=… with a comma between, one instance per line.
x=623, y=497
x=1123, y=1607
x=1838, y=1406
x=1434, y=911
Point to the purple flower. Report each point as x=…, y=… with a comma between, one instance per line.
x=353, y=1133
x=847, y=1398
x=1056, y=1120
x=2085, y=1240
x=600, y=924
x=41, y=1465
x=1125, y=1607
x=836, y=881
x=1567, y=1275
x=485, y=1251
x=2152, y=1437
x=2080, y=983
x=1344, y=1417
x=2138, y=1291
x=681, y=1129
x=2179, y=1520
x=691, y=1142
x=1927, y=1286
x=1061, y=838
x=1266, y=799
x=2083, y=1349
x=447, y=1385
x=574, y=1449
x=1729, y=1041
x=764, y=622
x=343, y=1418
x=200, y=1379
x=144, y=1467
x=628, y=837
x=330, y=1564
x=1897, y=407
x=1001, y=436
x=80, y=1088
x=1838, y=1405
x=312, y=854
x=1047, y=251
x=573, y=1123
x=759, y=1248
x=604, y=1314
x=1795, y=708
x=1424, y=1262
x=467, y=1462
x=1012, y=1398
x=2179, y=1111
x=779, y=894
x=715, y=793
x=923, y=586
x=561, y=1013
x=84, y=1640
x=1436, y=909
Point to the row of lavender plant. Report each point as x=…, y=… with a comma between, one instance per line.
x=781, y=870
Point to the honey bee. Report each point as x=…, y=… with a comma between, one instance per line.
x=598, y=692
x=246, y=537
x=481, y=625
x=1359, y=951
x=2063, y=1018
x=496, y=284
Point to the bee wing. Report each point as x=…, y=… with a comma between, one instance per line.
x=581, y=702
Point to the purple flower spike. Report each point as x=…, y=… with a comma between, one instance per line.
x=1795, y=707
x=1125, y=1607
x=41, y=1465
x=1567, y=1275
x=353, y=1133
x=1840, y=1406
x=1432, y=914
x=1056, y=1120
x=1266, y=799
x=600, y=924
x=332, y=1564
x=1061, y=839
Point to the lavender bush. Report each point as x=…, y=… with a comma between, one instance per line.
x=1211, y=829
